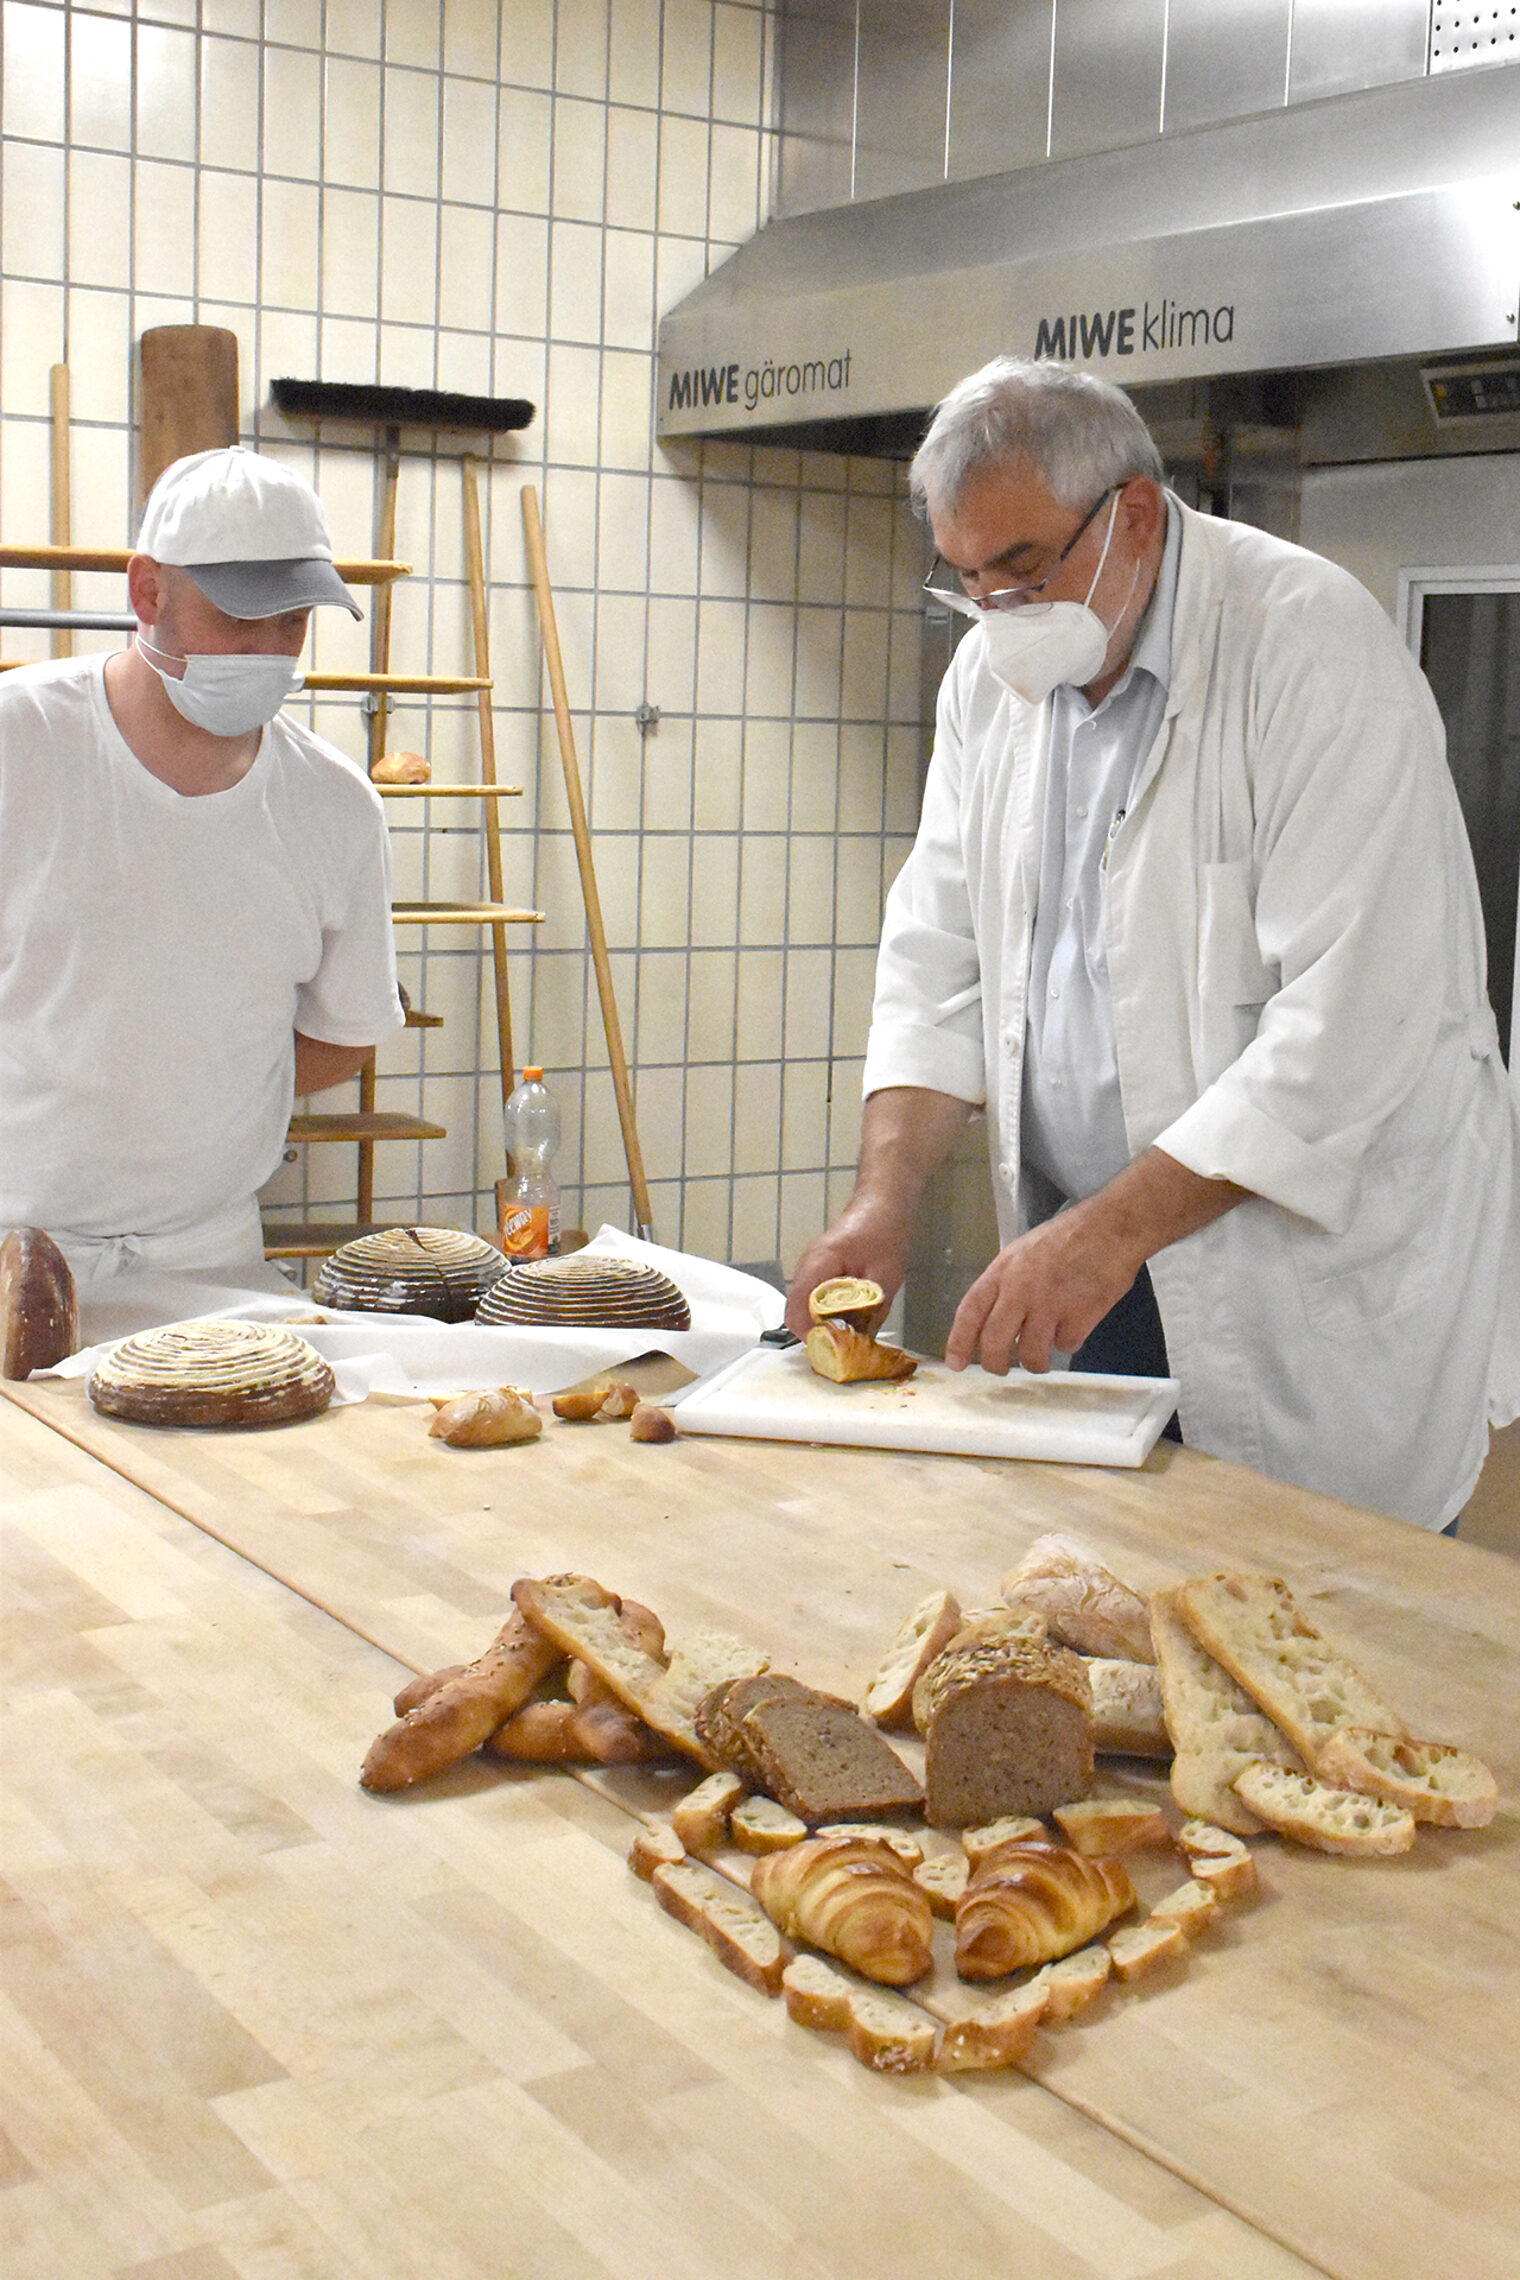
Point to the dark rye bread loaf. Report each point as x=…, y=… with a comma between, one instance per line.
x=811, y=1752
x=1009, y=1729
x=39, y=1314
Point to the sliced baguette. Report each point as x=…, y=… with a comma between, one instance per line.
x=1192, y=1908
x=700, y=1819
x=888, y=1697
x=1139, y=1948
x=655, y=1846
x=1331, y=1820
x=1429, y=1779
x=1073, y=1981
x=736, y=1928
x=888, y=2033
x=1306, y=1685
x=760, y=1825
x=1230, y=1876
x=997, y=2032
x=1009, y=1829
x=1098, y=1825
x=816, y=1994
x=943, y=1876
x=1216, y=1728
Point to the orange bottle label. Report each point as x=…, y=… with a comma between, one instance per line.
x=525, y=1231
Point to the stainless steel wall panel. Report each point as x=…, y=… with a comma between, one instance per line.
x=815, y=106
x=1338, y=45
x=1467, y=32
x=901, y=88
x=999, y=85
x=1107, y=74
x=1222, y=63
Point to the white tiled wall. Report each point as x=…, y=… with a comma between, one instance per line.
x=501, y=199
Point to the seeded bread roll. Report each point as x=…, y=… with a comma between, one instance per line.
x=1008, y=1729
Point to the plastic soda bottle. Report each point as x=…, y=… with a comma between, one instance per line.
x=530, y=1202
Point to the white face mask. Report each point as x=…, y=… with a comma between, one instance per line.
x=1048, y=645
x=226, y=696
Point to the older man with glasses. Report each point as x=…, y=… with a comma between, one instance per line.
x=1191, y=915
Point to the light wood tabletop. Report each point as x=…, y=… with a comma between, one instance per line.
x=266, y=2024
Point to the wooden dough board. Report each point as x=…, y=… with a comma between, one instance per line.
x=1339, y=2063
x=1062, y=1417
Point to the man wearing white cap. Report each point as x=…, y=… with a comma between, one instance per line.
x=194, y=892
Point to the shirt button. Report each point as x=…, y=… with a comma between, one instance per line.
x=1055, y=993
x=1082, y=812
x=1055, y=1084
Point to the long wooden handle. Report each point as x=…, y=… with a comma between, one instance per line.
x=475, y=566
x=539, y=567
x=62, y=518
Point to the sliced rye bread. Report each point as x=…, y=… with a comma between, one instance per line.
x=821, y=1759
x=1008, y=1728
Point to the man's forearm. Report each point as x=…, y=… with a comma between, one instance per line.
x=320, y=1065
x=906, y=1132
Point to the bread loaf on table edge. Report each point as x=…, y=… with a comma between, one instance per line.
x=1008, y=1729
x=39, y=1311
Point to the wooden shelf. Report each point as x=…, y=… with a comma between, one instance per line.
x=317, y=1238
x=463, y=914
x=363, y=1124
x=117, y=558
x=448, y=791
x=418, y=684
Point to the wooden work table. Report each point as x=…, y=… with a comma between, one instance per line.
x=261, y=2024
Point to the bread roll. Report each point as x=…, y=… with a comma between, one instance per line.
x=1085, y=1606
x=848, y=1357
x=1030, y=1903
x=464, y=1711
x=853, y=1898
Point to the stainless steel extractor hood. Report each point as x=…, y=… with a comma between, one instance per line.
x=1349, y=232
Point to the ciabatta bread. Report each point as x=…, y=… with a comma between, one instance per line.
x=1431, y=1780
x=853, y=1898
x=1216, y=1728
x=1307, y=1686
x=1331, y=1820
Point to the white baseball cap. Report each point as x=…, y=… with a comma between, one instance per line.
x=250, y=534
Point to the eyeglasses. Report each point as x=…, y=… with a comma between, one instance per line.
x=1006, y=597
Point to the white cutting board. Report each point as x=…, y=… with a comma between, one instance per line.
x=1066, y=1417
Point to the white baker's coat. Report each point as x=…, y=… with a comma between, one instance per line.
x=1296, y=959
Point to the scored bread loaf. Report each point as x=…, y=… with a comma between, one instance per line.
x=39, y=1312
x=212, y=1373
x=1008, y=1729
x=1029, y=1903
x=853, y=1898
x=1216, y=1729
x=888, y=1697
x=1086, y=1607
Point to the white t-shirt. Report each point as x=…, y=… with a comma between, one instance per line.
x=158, y=951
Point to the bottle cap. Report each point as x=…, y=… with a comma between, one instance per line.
x=533, y=1076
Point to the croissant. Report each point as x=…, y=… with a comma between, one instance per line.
x=854, y=1898
x=1030, y=1902
x=847, y=1356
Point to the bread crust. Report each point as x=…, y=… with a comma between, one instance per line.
x=1086, y=1606
x=39, y=1310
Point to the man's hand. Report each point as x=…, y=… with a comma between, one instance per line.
x=1049, y=1290
x=905, y=1132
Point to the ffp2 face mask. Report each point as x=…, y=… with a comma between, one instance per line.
x=1048, y=645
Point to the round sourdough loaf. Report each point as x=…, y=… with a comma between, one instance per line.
x=439, y=1271
x=212, y=1373
x=588, y=1288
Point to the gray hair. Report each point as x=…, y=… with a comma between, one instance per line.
x=1079, y=435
